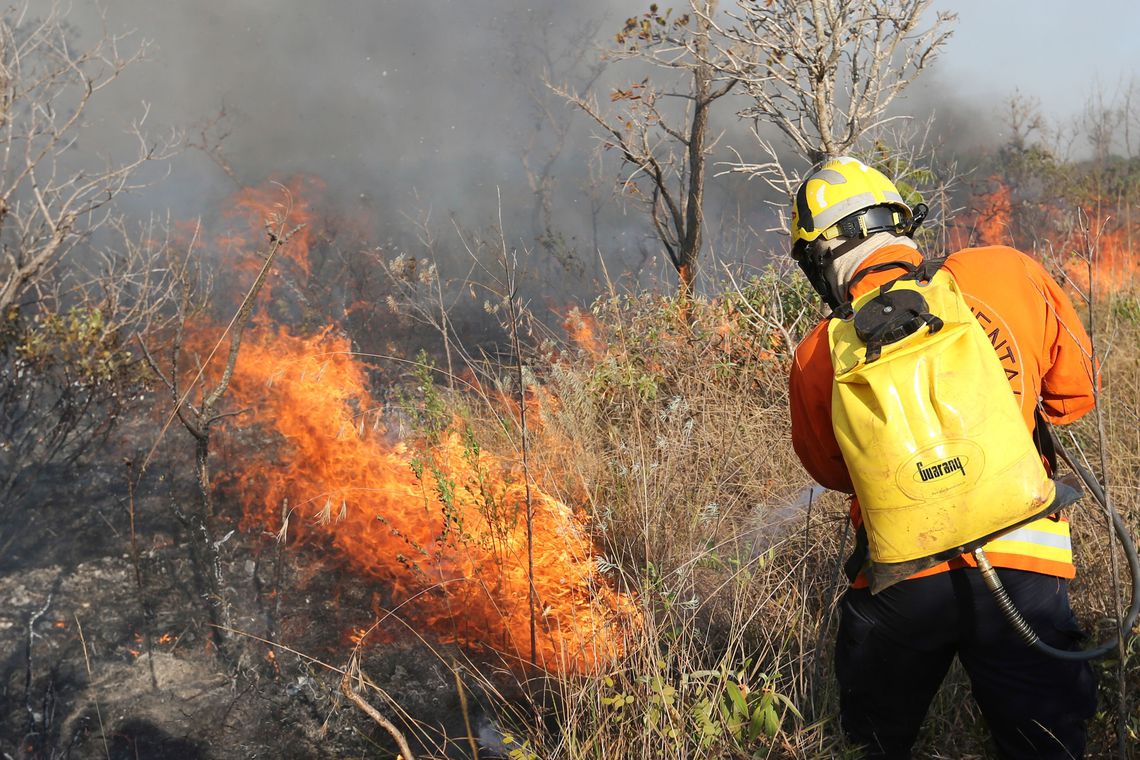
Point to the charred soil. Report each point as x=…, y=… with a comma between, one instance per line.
x=96, y=664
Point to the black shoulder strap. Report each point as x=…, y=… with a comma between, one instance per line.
x=1044, y=441
x=909, y=269
x=926, y=270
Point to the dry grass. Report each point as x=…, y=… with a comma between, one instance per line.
x=1118, y=323
x=673, y=441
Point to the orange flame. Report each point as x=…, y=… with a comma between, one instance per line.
x=445, y=527
x=582, y=329
x=987, y=221
x=441, y=529
x=1105, y=258
x=276, y=204
x=280, y=208
x=1103, y=252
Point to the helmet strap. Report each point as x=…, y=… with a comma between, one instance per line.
x=918, y=217
x=813, y=260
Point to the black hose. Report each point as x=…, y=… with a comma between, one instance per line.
x=1122, y=535
x=1014, y=616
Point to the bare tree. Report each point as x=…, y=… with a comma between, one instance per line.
x=1109, y=119
x=74, y=281
x=1131, y=108
x=1103, y=119
x=823, y=72
x=49, y=202
x=557, y=56
x=662, y=132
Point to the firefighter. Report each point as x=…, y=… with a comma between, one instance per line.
x=894, y=648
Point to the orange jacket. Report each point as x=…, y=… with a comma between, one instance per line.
x=1034, y=330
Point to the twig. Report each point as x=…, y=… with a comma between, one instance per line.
x=147, y=638
x=278, y=559
x=32, y=619
x=825, y=623
x=804, y=585
x=370, y=711
x=464, y=709
x=345, y=673
x=94, y=694
x=511, y=274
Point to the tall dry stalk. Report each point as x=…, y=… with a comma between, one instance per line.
x=90, y=674
x=140, y=587
x=1091, y=246
x=509, y=264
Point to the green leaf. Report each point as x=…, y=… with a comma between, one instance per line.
x=756, y=725
x=739, y=705
x=787, y=703
x=771, y=721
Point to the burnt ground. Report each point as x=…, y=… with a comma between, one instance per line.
x=93, y=667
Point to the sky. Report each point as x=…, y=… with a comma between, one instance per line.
x=419, y=102
x=1046, y=49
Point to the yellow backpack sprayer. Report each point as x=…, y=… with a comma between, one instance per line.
x=938, y=452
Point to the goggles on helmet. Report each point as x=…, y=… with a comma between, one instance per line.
x=866, y=222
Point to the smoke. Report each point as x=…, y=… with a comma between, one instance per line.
x=403, y=106
x=963, y=125
x=378, y=99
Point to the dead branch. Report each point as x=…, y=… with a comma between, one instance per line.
x=353, y=671
x=58, y=289
x=824, y=72
x=49, y=201
x=32, y=620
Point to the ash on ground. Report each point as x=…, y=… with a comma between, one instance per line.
x=106, y=656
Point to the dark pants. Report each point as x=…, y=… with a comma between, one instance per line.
x=894, y=649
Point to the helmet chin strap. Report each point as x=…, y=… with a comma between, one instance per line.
x=814, y=260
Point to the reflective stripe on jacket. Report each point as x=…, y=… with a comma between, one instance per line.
x=1043, y=348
